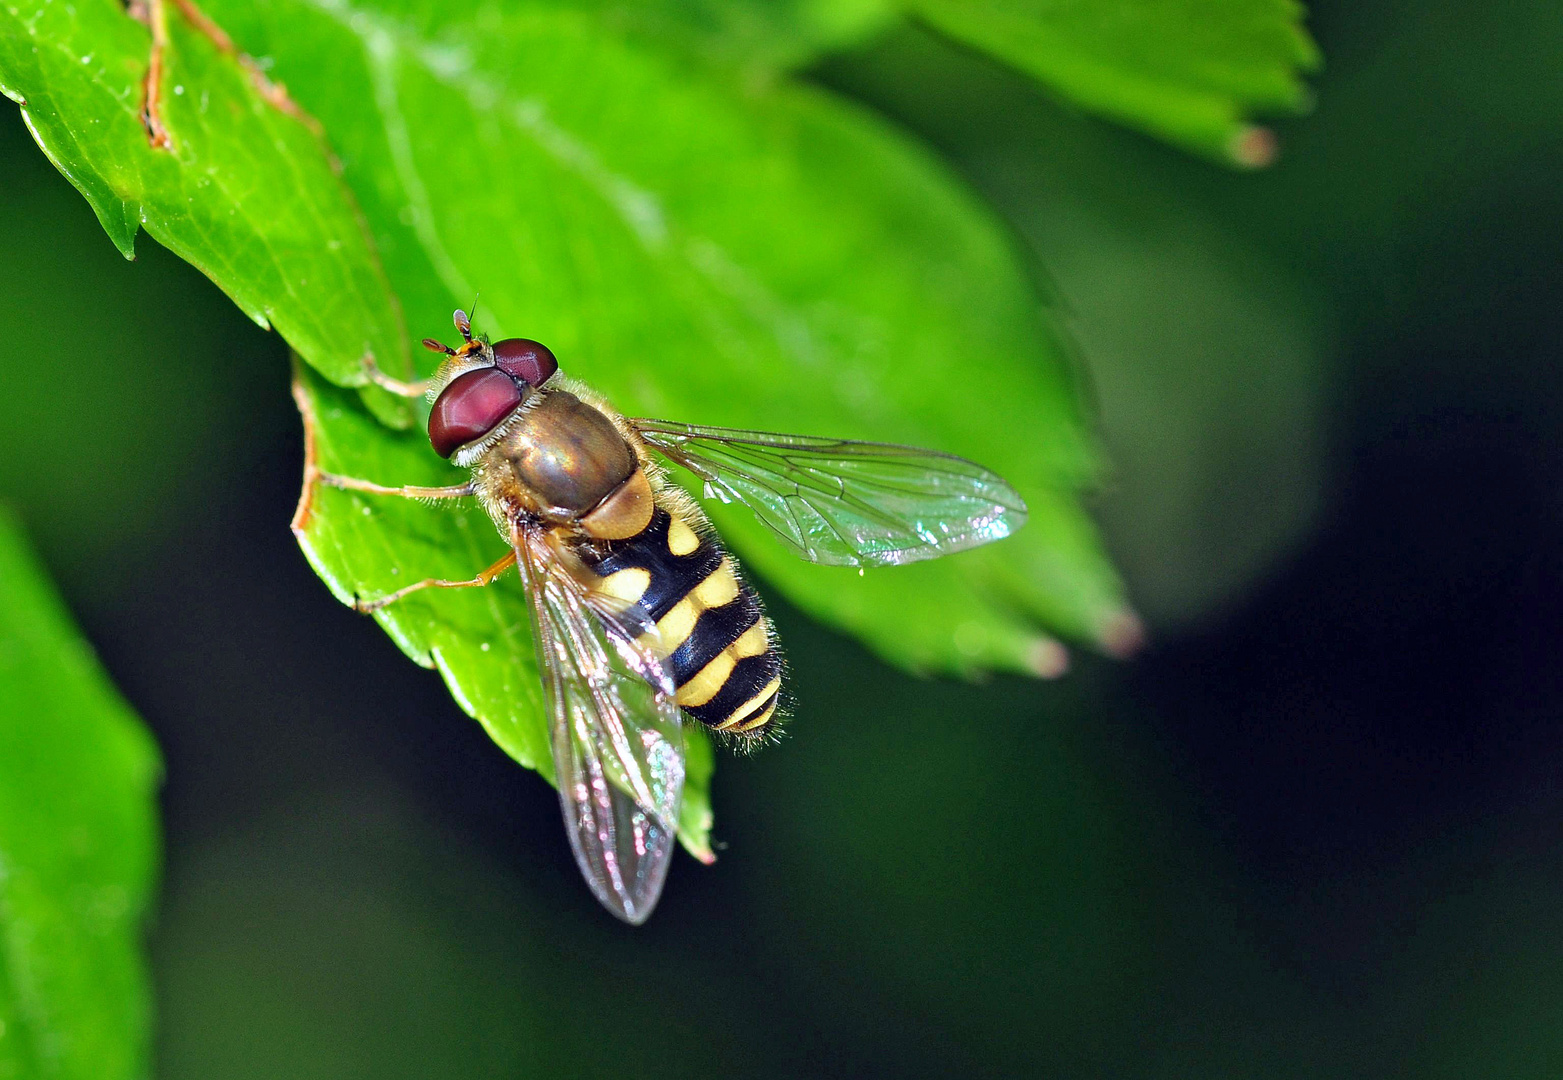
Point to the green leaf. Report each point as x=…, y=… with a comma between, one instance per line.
x=1187, y=71
x=78, y=844
x=245, y=191
x=695, y=248
x=771, y=259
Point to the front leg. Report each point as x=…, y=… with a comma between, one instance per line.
x=392, y=385
x=349, y=483
x=506, y=562
x=314, y=475
x=455, y=491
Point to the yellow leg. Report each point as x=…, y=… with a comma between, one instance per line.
x=395, y=386
x=349, y=483
x=484, y=578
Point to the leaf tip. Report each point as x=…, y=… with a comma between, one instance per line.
x=1121, y=634
x=1047, y=658
x=694, y=829
x=1253, y=147
x=700, y=849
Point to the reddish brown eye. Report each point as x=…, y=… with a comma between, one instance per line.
x=530, y=361
x=470, y=407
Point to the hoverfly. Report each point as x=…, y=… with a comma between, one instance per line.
x=639, y=615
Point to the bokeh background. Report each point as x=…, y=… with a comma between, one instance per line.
x=1314, y=829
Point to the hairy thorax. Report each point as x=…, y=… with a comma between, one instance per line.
x=559, y=459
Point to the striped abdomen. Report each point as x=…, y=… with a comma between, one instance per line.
x=711, y=623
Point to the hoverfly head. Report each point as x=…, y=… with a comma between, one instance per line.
x=472, y=406
x=479, y=386
x=473, y=352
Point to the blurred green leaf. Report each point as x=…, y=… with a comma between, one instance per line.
x=761, y=257
x=78, y=844
x=1188, y=71
x=1219, y=440
x=1207, y=358
x=757, y=38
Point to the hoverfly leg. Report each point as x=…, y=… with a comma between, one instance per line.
x=350, y=483
x=395, y=386
x=485, y=578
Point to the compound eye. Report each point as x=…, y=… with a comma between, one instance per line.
x=469, y=408
x=530, y=361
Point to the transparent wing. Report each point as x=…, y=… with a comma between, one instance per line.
x=846, y=503
x=615, y=729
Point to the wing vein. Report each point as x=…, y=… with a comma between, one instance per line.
x=846, y=503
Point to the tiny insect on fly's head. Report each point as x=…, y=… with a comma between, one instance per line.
x=480, y=386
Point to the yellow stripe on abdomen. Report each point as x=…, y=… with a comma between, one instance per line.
x=763, y=718
x=711, y=678
x=719, y=587
x=734, y=722
x=628, y=585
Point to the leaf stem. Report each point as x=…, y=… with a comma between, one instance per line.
x=150, y=12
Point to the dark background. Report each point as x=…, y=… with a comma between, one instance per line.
x=1314, y=829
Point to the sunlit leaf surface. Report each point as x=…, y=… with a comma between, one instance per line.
x=245, y=190
x=78, y=844
x=754, y=38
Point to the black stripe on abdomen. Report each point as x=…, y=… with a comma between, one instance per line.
x=750, y=677
x=672, y=576
x=715, y=630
